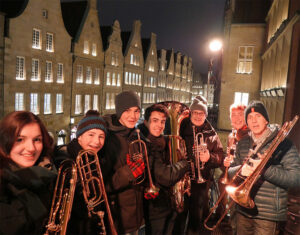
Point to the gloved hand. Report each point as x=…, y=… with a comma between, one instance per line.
x=149, y=196
x=137, y=167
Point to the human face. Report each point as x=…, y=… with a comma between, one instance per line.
x=257, y=123
x=237, y=119
x=130, y=117
x=28, y=146
x=198, y=117
x=156, y=123
x=92, y=139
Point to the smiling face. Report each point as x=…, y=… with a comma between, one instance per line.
x=237, y=119
x=198, y=117
x=257, y=123
x=92, y=139
x=130, y=117
x=156, y=123
x=28, y=146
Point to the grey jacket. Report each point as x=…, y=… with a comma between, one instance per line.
x=281, y=173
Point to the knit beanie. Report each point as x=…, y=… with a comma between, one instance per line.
x=90, y=122
x=126, y=100
x=256, y=106
x=199, y=103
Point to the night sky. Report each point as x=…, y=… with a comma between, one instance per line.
x=185, y=25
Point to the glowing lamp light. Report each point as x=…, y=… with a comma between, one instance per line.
x=215, y=45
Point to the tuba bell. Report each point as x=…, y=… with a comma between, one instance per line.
x=177, y=112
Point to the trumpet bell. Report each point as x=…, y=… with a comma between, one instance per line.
x=152, y=190
x=240, y=196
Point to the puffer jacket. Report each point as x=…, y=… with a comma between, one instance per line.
x=281, y=173
x=126, y=197
x=212, y=140
x=25, y=198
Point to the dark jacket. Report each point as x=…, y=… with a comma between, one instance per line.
x=164, y=174
x=212, y=140
x=25, y=198
x=281, y=173
x=125, y=195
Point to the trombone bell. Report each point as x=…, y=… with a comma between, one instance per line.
x=240, y=196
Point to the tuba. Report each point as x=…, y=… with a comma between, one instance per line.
x=62, y=198
x=177, y=112
x=241, y=193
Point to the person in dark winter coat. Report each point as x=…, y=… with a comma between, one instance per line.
x=211, y=158
x=159, y=212
x=90, y=135
x=124, y=173
x=281, y=173
x=27, y=176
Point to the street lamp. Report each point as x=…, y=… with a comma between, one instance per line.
x=214, y=46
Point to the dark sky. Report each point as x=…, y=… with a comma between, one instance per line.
x=185, y=25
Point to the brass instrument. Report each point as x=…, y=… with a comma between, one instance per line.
x=177, y=112
x=241, y=194
x=138, y=150
x=93, y=187
x=199, y=148
x=62, y=198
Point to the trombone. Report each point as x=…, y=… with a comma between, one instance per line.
x=241, y=193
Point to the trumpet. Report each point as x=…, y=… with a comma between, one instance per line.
x=241, y=194
x=93, y=187
x=62, y=199
x=199, y=148
x=138, y=150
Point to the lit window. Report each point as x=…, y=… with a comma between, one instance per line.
x=95, y=103
x=87, y=101
x=86, y=47
x=59, y=103
x=20, y=68
x=79, y=77
x=47, y=103
x=126, y=77
x=110, y=101
x=35, y=76
x=49, y=42
x=78, y=107
x=132, y=58
x=241, y=98
x=108, y=79
x=245, y=58
x=36, y=39
x=97, y=76
x=48, y=72
x=34, y=103
x=60, y=73
x=113, y=80
x=88, y=75
x=94, y=49
x=19, y=102
x=119, y=80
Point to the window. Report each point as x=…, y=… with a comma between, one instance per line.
x=132, y=58
x=88, y=75
x=87, y=101
x=126, y=77
x=34, y=103
x=113, y=80
x=151, y=66
x=95, y=103
x=45, y=14
x=245, y=57
x=59, y=103
x=48, y=72
x=94, y=49
x=19, y=102
x=79, y=77
x=36, y=39
x=108, y=79
x=35, y=70
x=20, y=68
x=49, y=42
x=78, y=107
x=47, y=103
x=110, y=101
x=86, y=47
x=97, y=76
x=119, y=80
x=60, y=73
x=241, y=98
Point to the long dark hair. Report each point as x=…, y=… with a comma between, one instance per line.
x=11, y=126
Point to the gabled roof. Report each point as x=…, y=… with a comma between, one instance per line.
x=74, y=15
x=106, y=31
x=168, y=57
x=125, y=36
x=13, y=8
x=145, y=44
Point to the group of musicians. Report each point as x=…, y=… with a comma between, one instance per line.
x=148, y=192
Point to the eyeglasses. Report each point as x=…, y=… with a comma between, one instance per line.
x=198, y=113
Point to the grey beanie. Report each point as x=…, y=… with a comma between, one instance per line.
x=256, y=106
x=126, y=100
x=199, y=103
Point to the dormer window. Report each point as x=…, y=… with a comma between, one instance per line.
x=94, y=50
x=86, y=47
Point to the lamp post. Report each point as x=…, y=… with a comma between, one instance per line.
x=214, y=46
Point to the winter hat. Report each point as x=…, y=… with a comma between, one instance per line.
x=199, y=103
x=256, y=106
x=90, y=122
x=126, y=100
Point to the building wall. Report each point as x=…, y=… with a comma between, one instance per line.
x=1, y=64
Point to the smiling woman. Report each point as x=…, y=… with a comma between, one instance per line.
x=27, y=175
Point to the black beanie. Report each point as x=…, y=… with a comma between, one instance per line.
x=126, y=100
x=256, y=106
